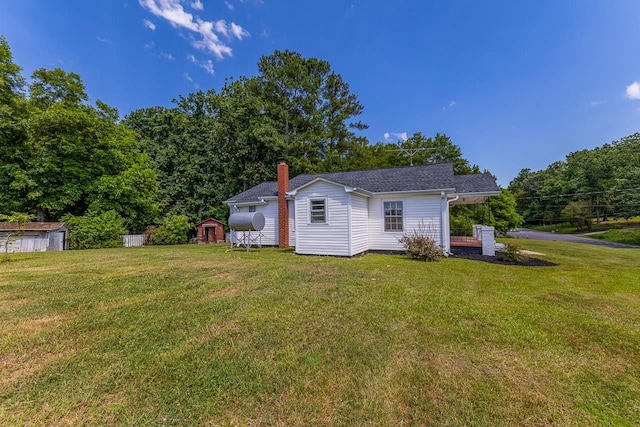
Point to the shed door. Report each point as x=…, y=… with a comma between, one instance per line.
x=210, y=234
x=56, y=241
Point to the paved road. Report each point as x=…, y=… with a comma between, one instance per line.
x=522, y=233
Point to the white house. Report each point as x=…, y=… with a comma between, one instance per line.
x=347, y=213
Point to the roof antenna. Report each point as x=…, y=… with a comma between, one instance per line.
x=410, y=151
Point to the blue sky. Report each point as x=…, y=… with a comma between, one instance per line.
x=514, y=83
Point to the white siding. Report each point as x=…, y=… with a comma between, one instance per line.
x=330, y=238
x=292, y=223
x=359, y=224
x=25, y=244
x=418, y=212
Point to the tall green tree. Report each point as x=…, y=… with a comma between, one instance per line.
x=417, y=149
x=13, y=136
x=212, y=145
x=66, y=156
x=605, y=179
x=311, y=110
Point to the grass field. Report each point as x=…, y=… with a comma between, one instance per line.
x=201, y=335
x=568, y=228
x=630, y=236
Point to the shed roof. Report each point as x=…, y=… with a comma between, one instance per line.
x=431, y=177
x=32, y=226
x=210, y=220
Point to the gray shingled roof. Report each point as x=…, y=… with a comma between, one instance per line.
x=476, y=183
x=409, y=178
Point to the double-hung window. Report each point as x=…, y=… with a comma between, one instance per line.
x=318, y=209
x=393, y=216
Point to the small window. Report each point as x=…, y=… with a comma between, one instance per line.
x=252, y=208
x=318, y=211
x=393, y=216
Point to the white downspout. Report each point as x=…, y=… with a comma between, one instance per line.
x=448, y=226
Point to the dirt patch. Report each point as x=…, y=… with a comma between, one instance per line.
x=17, y=366
x=228, y=291
x=499, y=259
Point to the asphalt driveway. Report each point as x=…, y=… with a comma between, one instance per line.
x=523, y=233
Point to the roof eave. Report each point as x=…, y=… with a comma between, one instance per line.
x=437, y=191
x=261, y=201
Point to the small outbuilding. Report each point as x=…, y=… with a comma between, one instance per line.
x=210, y=231
x=34, y=237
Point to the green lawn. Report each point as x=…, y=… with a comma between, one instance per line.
x=568, y=228
x=201, y=335
x=630, y=236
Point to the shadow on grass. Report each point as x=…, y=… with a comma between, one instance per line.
x=499, y=259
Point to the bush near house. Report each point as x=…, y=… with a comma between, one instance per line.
x=420, y=246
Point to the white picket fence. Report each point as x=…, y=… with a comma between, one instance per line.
x=130, y=240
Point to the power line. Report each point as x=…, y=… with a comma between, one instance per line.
x=577, y=194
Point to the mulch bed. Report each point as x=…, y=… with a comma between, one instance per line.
x=498, y=259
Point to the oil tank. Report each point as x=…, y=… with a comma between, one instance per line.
x=246, y=221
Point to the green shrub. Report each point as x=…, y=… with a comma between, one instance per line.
x=512, y=253
x=419, y=245
x=173, y=231
x=94, y=231
x=461, y=225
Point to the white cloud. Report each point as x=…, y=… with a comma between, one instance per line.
x=103, y=40
x=190, y=80
x=149, y=45
x=197, y=5
x=207, y=65
x=167, y=56
x=208, y=31
x=238, y=31
x=150, y=25
x=633, y=90
x=221, y=27
x=395, y=136
x=595, y=103
x=229, y=6
x=450, y=105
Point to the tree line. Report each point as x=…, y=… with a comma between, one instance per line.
x=596, y=184
x=65, y=158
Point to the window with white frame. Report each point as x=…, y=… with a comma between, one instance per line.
x=393, y=216
x=318, y=211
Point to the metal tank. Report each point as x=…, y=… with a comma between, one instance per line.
x=246, y=221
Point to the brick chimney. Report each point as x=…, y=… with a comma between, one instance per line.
x=283, y=206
